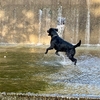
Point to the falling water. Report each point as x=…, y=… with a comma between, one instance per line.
x=77, y=14
x=14, y=25
x=40, y=18
x=99, y=36
x=87, y=35
x=60, y=22
x=48, y=18
x=77, y=23
x=61, y=26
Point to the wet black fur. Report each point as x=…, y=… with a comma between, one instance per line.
x=61, y=45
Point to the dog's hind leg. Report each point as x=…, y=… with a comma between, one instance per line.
x=70, y=55
x=57, y=53
x=72, y=59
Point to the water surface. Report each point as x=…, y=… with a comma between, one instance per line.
x=28, y=69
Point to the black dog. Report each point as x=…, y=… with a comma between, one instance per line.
x=60, y=45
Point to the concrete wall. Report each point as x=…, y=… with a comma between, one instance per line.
x=26, y=21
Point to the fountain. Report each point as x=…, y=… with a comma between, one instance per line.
x=60, y=22
x=77, y=24
x=26, y=72
x=40, y=25
x=87, y=35
x=49, y=75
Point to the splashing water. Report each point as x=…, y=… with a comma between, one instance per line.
x=84, y=78
x=64, y=60
x=51, y=73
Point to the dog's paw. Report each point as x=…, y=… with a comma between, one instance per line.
x=57, y=54
x=75, y=62
x=45, y=52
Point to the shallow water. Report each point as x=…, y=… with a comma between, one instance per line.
x=28, y=69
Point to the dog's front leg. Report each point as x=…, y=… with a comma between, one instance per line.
x=48, y=49
x=57, y=53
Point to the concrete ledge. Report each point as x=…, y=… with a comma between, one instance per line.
x=32, y=96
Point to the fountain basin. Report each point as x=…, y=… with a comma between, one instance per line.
x=27, y=69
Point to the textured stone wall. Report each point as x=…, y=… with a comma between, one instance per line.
x=26, y=21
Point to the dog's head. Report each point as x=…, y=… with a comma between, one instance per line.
x=52, y=32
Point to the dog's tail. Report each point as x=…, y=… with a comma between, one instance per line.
x=78, y=44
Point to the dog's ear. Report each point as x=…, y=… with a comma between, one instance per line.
x=56, y=29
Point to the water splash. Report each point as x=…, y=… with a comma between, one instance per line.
x=85, y=72
x=64, y=60
x=84, y=77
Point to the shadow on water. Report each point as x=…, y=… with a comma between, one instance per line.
x=28, y=69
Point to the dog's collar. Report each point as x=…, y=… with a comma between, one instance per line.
x=54, y=36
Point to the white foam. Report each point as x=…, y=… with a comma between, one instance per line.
x=86, y=71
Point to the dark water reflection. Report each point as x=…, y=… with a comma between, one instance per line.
x=28, y=69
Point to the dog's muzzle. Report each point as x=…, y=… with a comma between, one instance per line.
x=48, y=32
